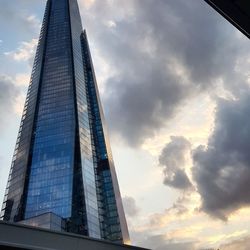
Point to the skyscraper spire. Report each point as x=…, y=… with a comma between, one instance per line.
x=62, y=175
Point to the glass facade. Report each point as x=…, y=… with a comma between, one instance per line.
x=62, y=168
x=51, y=168
x=110, y=213
x=86, y=159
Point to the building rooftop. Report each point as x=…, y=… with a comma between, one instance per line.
x=17, y=236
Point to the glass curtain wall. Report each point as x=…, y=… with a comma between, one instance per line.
x=62, y=173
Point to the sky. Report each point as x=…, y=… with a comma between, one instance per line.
x=174, y=81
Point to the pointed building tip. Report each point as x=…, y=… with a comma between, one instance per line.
x=84, y=33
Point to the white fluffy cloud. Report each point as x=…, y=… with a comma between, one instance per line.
x=24, y=52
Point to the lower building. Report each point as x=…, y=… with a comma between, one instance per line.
x=20, y=237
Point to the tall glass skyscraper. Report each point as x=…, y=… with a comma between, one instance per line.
x=62, y=175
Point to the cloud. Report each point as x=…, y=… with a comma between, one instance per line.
x=16, y=15
x=12, y=96
x=87, y=3
x=22, y=79
x=181, y=210
x=222, y=169
x=19, y=104
x=130, y=206
x=173, y=159
x=239, y=244
x=177, y=246
x=159, y=242
x=159, y=56
x=111, y=24
x=25, y=52
x=162, y=242
x=8, y=93
x=34, y=22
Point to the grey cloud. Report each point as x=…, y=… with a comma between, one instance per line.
x=173, y=160
x=130, y=206
x=222, y=169
x=160, y=55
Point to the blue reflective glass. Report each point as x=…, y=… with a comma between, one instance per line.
x=51, y=171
